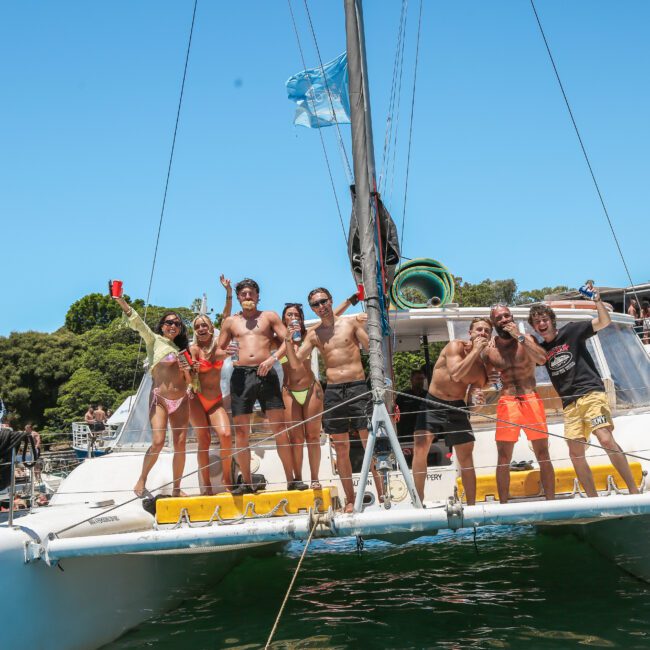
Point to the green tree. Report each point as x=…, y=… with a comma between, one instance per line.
x=537, y=295
x=84, y=387
x=486, y=293
x=93, y=310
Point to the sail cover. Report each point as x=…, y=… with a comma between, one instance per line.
x=389, y=240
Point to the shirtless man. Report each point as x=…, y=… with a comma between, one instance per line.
x=516, y=355
x=338, y=340
x=254, y=378
x=459, y=366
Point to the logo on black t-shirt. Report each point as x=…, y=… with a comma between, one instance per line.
x=559, y=359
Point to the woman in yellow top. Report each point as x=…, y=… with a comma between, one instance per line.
x=169, y=395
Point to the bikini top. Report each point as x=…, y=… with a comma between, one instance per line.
x=206, y=366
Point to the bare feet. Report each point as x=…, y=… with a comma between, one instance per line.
x=178, y=493
x=140, y=489
x=349, y=508
x=315, y=485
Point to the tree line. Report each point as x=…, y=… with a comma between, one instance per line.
x=50, y=379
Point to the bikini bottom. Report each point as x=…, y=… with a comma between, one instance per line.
x=170, y=405
x=301, y=395
x=209, y=404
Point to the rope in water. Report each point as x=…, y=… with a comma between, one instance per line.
x=293, y=580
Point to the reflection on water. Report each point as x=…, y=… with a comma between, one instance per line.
x=520, y=588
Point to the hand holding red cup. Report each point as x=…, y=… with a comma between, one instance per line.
x=115, y=288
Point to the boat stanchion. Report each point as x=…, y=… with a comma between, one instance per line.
x=12, y=488
x=455, y=517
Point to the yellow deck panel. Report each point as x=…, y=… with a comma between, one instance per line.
x=202, y=508
x=528, y=484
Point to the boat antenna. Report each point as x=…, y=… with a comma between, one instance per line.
x=381, y=433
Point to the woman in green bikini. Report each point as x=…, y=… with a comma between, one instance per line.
x=303, y=400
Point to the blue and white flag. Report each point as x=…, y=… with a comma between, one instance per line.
x=321, y=94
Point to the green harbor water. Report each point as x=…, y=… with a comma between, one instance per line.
x=515, y=589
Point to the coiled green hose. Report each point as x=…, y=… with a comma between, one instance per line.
x=421, y=283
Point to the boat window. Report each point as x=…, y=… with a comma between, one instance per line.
x=461, y=329
x=629, y=365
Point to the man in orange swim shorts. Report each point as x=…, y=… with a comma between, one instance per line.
x=515, y=356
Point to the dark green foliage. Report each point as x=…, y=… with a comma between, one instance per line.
x=93, y=310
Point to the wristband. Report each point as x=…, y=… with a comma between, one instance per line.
x=353, y=299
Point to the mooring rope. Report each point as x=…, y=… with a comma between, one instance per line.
x=293, y=580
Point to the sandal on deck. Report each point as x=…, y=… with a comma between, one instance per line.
x=315, y=485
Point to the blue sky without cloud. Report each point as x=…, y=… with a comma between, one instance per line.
x=497, y=189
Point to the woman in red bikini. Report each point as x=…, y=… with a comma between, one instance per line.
x=208, y=410
x=303, y=400
x=169, y=395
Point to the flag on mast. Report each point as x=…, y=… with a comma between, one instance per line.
x=321, y=94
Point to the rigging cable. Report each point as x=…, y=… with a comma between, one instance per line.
x=394, y=91
x=582, y=146
x=169, y=171
x=322, y=140
x=329, y=97
x=408, y=155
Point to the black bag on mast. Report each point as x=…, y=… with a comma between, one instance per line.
x=389, y=241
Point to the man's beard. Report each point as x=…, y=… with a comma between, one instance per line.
x=502, y=333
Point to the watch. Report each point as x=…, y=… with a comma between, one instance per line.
x=521, y=338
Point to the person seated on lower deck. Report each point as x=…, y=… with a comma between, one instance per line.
x=575, y=378
x=409, y=403
x=445, y=412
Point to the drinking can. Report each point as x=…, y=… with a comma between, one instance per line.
x=587, y=292
x=497, y=383
x=235, y=355
x=296, y=335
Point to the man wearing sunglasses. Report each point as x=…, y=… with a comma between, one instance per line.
x=347, y=402
x=254, y=378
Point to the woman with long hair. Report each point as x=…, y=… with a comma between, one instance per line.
x=207, y=411
x=169, y=401
x=303, y=400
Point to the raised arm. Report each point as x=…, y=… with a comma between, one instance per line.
x=296, y=359
x=225, y=335
x=227, y=308
x=530, y=345
x=603, y=319
x=361, y=332
x=281, y=334
x=135, y=322
x=460, y=364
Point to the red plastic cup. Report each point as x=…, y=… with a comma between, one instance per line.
x=361, y=292
x=115, y=288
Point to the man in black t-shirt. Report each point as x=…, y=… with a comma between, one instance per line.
x=575, y=378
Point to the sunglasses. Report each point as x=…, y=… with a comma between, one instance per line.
x=293, y=304
x=319, y=303
x=172, y=323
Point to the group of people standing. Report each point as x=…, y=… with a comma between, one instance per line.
x=187, y=386
x=187, y=390
x=466, y=367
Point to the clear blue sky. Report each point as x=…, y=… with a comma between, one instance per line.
x=497, y=189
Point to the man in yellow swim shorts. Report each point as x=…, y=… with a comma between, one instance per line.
x=575, y=378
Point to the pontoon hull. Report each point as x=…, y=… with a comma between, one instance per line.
x=89, y=602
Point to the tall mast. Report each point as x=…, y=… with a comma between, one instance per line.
x=364, y=180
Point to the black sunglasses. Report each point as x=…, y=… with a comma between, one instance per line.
x=319, y=303
x=172, y=323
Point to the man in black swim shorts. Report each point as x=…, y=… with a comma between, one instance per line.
x=348, y=403
x=254, y=378
x=445, y=411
